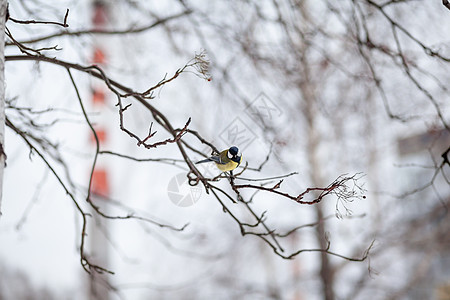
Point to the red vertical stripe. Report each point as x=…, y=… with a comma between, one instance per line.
x=98, y=96
x=99, y=56
x=100, y=14
x=100, y=185
x=100, y=179
x=101, y=135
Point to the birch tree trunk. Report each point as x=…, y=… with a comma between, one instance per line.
x=3, y=11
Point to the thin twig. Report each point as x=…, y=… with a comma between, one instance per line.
x=64, y=24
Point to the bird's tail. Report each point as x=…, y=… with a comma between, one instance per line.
x=204, y=161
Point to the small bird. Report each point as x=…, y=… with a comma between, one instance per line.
x=227, y=160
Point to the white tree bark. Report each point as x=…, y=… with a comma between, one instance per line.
x=3, y=10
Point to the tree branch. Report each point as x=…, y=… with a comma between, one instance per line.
x=64, y=24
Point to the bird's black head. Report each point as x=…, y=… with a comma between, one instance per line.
x=233, y=150
x=234, y=154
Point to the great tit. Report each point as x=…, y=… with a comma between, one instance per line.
x=227, y=160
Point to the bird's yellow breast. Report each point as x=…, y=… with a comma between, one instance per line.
x=229, y=166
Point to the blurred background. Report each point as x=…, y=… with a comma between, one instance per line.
x=322, y=88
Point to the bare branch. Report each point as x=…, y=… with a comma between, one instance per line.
x=107, y=31
x=167, y=141
x=446, y=3
x=64, y=24
x=338, y=188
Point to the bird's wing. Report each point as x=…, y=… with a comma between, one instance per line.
x=215, y=159
x=203, y=161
